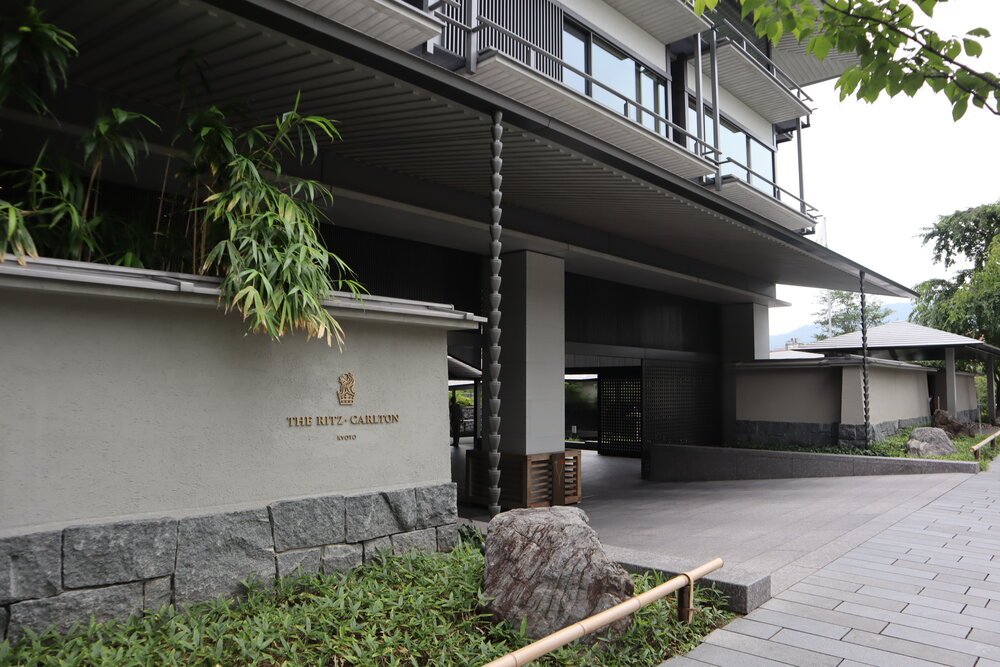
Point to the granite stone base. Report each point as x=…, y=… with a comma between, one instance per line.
x=115, y=570
x=819, y=434
x=968, y=415
x=744, y=589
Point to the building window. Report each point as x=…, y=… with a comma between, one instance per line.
x=628, y=83
x=746, y=153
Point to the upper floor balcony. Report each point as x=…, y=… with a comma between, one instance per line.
x=715, y=118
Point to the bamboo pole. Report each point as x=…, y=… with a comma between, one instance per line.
x=559, y=638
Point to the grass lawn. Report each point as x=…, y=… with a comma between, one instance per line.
x=416, y=609
x=892, y=446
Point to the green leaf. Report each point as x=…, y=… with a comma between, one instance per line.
x=819, y=46
x=973, y=48
x=961, y=106
x=927, y=6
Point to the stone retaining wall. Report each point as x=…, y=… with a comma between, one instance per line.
x=114, y=570
x=826, y=434
x=686, y=463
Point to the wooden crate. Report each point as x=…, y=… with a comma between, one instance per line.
x=533, y=480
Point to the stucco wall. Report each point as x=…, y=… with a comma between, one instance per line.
x=116, y=407
x=613, y=24
x=803, y=395
x=965, y=386
x=894, y=394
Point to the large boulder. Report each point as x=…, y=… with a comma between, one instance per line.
x=942, y=419
x=929, y=441
x=547, y=566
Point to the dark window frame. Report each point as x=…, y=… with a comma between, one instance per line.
x=749, y=138
x=660, y=104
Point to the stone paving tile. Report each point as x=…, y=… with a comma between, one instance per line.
x=724, y=657
x=981, y=584
x=911, y=620
x=967, y=599
x=770, y=650
x=912, y=649
x=959, y=644
x=807, y=625
x=907, y=598
x=924, y=589
x=992, y=614
x=863, y=580
x=841, y=649
x=837, y=584
x=834, y=618
x=683, y=661
x=981, y=635
x=859, y=598
x=951, y=617
x=794, y=595
x=915, y=584
x=753, y=628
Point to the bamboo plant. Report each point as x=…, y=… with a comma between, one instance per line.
x=244, y=218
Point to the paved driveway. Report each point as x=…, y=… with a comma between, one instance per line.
x=924, y=591
x=787, y=528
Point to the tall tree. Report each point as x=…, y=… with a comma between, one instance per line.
x=968, y=303
x=897, y=54
x=840, y=313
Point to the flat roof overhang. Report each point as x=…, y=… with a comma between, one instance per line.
x=792, y=57
x=407, y=116
x=391, y=21
x=666, y=20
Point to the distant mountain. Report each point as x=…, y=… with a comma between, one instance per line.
x=807, y=332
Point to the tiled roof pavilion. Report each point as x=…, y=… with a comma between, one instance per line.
x=906, y=341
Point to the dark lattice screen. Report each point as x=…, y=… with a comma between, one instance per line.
x=619, y=396
x=681, y=404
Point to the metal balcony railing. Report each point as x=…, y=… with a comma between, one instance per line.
x=470, y=34
x=735, y=37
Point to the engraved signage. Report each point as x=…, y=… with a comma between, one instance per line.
x=345, y=395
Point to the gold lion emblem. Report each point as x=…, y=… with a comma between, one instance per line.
x=346, y=393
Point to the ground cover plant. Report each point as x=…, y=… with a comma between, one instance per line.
x=892, y=446
x=415, y=609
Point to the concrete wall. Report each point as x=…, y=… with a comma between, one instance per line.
x=610, y=22
x=807, y=395
x=968, y=398
x=822, y=404
x=898, y=394
x=117, y=408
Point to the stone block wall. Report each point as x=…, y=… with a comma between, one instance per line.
x=825, y=434
x=114, y=570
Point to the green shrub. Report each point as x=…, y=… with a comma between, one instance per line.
x=417, y=609
x=894, y=445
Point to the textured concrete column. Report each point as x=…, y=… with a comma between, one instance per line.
x=991, y=390
x=532, y=413
x=745, y=337
x=950, y=384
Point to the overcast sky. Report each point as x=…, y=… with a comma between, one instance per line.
x=881, y=172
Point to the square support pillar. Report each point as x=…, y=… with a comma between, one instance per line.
x=744, y=338
x=532, y=405
x=950, y=383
